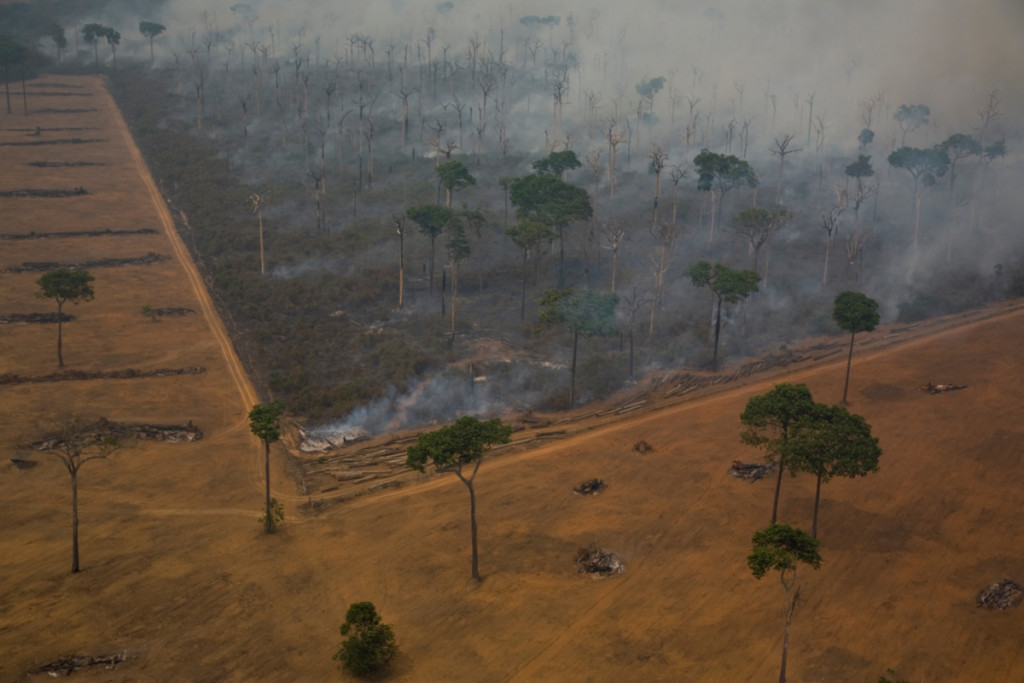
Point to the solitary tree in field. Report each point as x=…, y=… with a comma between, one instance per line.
x=460, y=445
x=63, y=285
x=453, y=176
x=768, y=419
x=783, y=548
x=370, y=645
x=75, y=444
x=151, y=30
x=827, y=442
x=854, y=312
x=586, y=312
x=264, y=422
x=728, y=286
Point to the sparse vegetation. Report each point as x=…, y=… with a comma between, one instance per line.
x=370, y=645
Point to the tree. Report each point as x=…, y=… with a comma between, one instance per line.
x=782, y=149
x=782, y=548
x=557, y=164
x=264, y=422
x=75, y=444
x=910, y=117
x=432, y=221
x=370, y=645
x=719, y=173
x=91, y=34
x=768, y=419
x=925, y=166
x=758, y=225
x=453, y=175
x=586, y=312
x=529, y=235
x=458, y=249
x=151, y=30
x=457, y=446
x=64, y=285
x=956, y=147
x=829, y=441
x=553, y=202
x=113, y=40
x=11, y=53
x=854, y=312
x=728, y=286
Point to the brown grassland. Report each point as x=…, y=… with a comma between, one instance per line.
x=177, y=572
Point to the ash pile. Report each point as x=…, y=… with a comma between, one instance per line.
x=750, y=472
x=591, y=487
x=596, y=562
x=999, y=596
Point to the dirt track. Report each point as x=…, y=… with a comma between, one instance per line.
x=177, y=572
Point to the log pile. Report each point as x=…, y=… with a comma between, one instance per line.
x=594, y=561
x=750, y=472
x=103, y=429
x=591, y=487
x=145, y=260
x=68, y=664
x=999, y=596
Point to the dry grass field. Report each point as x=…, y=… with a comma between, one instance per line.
x=177, y=573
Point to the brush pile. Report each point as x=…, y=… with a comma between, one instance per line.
x=590, y=487
x=594, y=561
x=999, y=596
x=941, y=388
x=750, y=472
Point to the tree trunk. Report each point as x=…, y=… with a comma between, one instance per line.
x=74, y=520
x=849, y=360
x=268, y=523
x=817, y=500
x=718, y=328
x=60, y=338
x=778, y=488
x=522, y=307
x=572, y=371
x=791, y=598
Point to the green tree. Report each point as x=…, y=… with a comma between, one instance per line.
x=910, y=117
x=264, y=422
x=925, y=166
x=718, y=174
x=455, y=447
x=758, y=226
x=547, y=199
x=557, y=164
x=11, y=52
x=75, y=444
x=586, y=312
x=91, y=34
x=782, y=548
x=767, y=420
x=854, y=312
x=64, y=285
x=827, y=442
x=729, y=286
x=859, y=170
x=432, y=220
x=458, y=250
x=113, y=40
x=370, y=645
x=453, y=176
x=151, y=30
x=956, y=147
x=529, y=235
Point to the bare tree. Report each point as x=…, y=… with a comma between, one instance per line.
x=659, y=159
x=615, y=137
x=257, y=208
x=614, y=236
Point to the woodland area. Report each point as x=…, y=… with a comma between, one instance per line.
x=299, y=162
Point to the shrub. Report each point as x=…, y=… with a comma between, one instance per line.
x=370, y=644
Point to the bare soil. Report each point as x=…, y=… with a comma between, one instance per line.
x=177, y=571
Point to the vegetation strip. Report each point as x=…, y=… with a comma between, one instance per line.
x=29, y=266
x=69, y=375
x=76, y=233
x=50, y=194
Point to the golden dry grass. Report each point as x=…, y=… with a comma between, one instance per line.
x=177, y=571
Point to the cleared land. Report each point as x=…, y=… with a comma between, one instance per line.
x=177, y=572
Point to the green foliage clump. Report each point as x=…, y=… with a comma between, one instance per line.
x=370, y=645
x=276, y=516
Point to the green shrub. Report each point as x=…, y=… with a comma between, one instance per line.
x=370, y=644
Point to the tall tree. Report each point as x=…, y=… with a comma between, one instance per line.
x=728, y=285
x=453, y=176
x=12, y=52
x=767, y=420
x=557, y=164
x=455, y=448
x=458, y=250
x=529, y=235
x=264, y=422
x=925, y=166
x=956, y=147
x=718, y=174
x=757, y=226
x=74, y=444
x=113, y=40
x=151, y=30
x=64, y=285
x=782, y=149
x=827, y=442
x=783, y=548
x=432, y=220
x=547, y=199
x=910, y=117
x=91, y=34
x=854, y=312
x=585, y=312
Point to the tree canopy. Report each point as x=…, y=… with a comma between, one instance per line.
x=728, y=285
x=264, y=422
x=854, y=312
x=370, y=645
x=453, y=176
x=557, y=163
x=64, y=285
x=585, y=312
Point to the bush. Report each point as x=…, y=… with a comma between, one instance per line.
x=371, y=645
